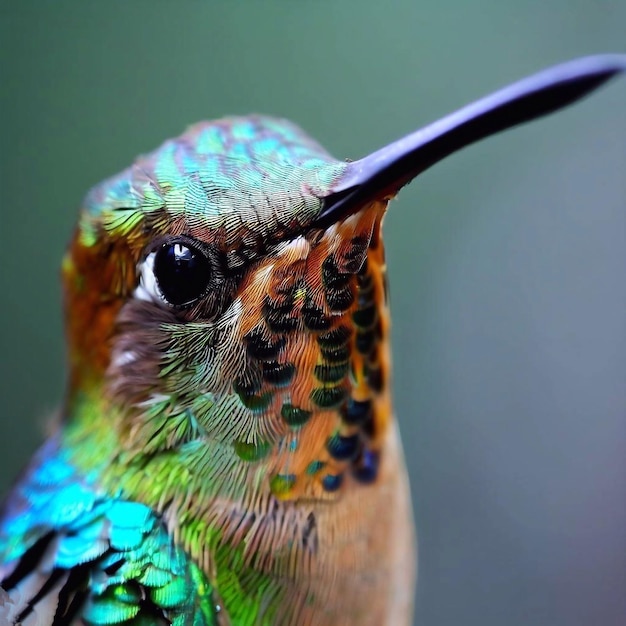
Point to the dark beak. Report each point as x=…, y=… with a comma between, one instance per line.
x=385, y=171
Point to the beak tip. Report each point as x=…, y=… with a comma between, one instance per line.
x=387, y=170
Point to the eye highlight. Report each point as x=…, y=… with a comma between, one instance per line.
x=177, y=272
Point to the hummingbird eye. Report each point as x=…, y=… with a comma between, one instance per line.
x=182, y=272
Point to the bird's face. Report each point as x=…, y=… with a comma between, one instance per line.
x=226, y=295
x=208, y=306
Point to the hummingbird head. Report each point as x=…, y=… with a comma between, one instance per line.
x=226, y=294
x=209, y=304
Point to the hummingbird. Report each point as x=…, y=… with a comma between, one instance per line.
x=227, y=452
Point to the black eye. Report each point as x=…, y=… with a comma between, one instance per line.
x=182, y=272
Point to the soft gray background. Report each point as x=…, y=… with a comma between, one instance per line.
x=507, y=261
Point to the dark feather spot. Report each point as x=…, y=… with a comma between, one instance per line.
x=261, y=348
x=365, y=317
x=340, y=299
x=332, y=482
x=328, y=397
x=335, y=354
x=356, y=412
x=343, y=448
x=313, y=467
x=251, y=451
x=365, y=341
x=278, y=316
x=256, y=402
x=336, y=337
x=314, y=317
x=332, y=278
x=278, y=374
x=366, y=468
x=294, y=416
x=331, y=373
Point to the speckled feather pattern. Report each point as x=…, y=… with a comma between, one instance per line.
x=226, y=462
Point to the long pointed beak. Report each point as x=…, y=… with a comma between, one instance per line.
x=385, y=171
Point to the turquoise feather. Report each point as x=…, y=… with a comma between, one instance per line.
x=130, y=569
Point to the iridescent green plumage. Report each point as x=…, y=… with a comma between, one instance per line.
x=114, y=556
x=255, y=173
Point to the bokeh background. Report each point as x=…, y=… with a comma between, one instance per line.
x=506, y=261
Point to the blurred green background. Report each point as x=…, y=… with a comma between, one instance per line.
x=506, y=261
